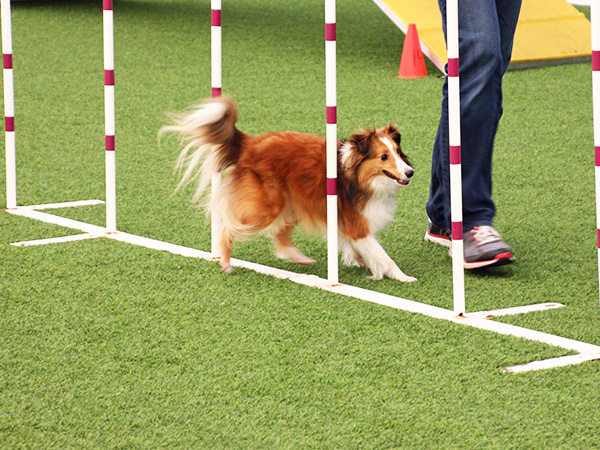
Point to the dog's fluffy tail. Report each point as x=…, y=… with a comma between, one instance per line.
x=212, y=141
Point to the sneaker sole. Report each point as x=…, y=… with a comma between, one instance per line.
x=500, y=260
x=438, y=239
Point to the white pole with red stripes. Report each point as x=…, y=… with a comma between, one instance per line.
x=215, y=41
x=9, y=107
x=109, y=117
x=458, y=273
x=216, y=52
x=331, y=113
x=595, y=19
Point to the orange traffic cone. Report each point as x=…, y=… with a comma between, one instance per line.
x=412, y=63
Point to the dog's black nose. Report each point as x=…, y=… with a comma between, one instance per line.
x=409, y=173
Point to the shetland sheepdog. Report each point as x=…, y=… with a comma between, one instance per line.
x=275, y=181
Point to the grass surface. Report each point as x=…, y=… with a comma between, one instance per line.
x=107, y=345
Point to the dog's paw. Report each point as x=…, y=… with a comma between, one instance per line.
x=401, y=276
x=293, y=254
x=226, y=267
x=407, y=279
x=355, y=263
x=304, y=260
x=352, y=259
x=404, y=278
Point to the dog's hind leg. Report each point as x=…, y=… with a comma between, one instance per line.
x=247, y=207
x=285, y=249
x=226, y=242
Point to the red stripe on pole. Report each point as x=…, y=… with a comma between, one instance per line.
x=9, y=124
x=597, y=153
x=452, y=67
x=109, y=77
x=598, y=230
x=596, y=60
x=332, y=114
x=455, y=154
x=215, y=17
x=331, y=186
x=330, y=32
x=216, y=92
x=7, y=60
x=110, y=143
x=108, y=5
x=457, y=231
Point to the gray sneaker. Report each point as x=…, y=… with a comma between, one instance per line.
x=484, y=247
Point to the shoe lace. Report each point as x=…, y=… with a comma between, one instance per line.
x=485, y=235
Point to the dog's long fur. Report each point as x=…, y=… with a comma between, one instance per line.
x=277, y=180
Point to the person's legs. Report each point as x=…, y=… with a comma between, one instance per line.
x=481, y=71
x=486, y=31
x=508, y=16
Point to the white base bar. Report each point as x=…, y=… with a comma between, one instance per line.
x=551, y=363
x=586, y=352
x=515, y=310
x=64, y=205
x=56, y=220
x=532, y=335
x=57, y=240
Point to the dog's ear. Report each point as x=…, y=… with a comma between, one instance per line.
x=393, y=132
x=361, y=141
x=356, y=148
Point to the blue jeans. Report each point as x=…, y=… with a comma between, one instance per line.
x=486, y=32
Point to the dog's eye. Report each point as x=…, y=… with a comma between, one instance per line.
x=384, y=157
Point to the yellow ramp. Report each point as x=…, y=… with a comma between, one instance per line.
x=548, y=32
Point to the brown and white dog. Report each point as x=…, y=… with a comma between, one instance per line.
x=275, y=181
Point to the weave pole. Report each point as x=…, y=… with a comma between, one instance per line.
x=215, y=67
x=595, y=19
x=458, y=274
x=9, y=107
x=331, y=113
x=109, y=116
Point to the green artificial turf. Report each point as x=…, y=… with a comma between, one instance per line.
x=107, y=345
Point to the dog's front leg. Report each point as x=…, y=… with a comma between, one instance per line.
x=378, y=260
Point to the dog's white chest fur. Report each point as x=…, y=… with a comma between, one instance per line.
x=380, y=209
